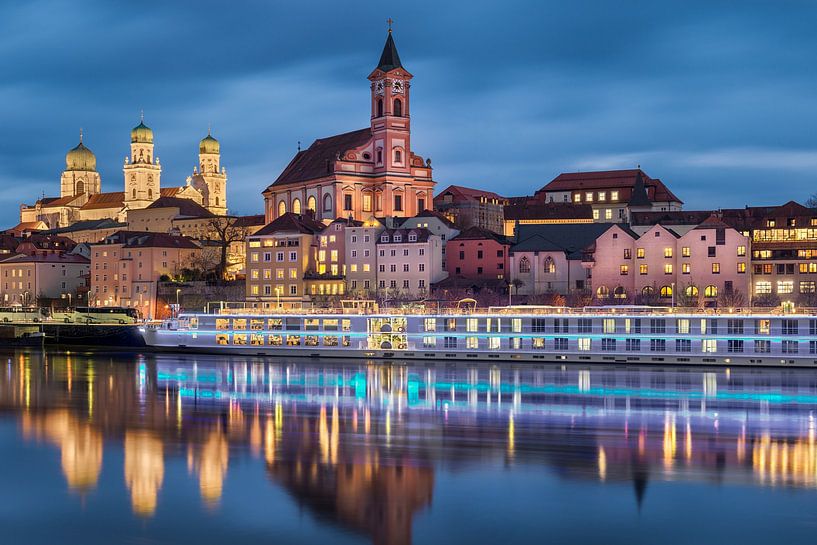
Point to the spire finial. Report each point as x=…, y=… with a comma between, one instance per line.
x=142, y=115
x=80, y=135
x=299, y=145
x=389, y=21
x=209, y=128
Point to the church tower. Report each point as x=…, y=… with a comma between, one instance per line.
x=142, y=170
x=390, y=90
x=80, y=175
x=211, y=178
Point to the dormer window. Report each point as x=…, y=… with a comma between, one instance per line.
x=412, y=238
x=398, y=238
x=384, y=238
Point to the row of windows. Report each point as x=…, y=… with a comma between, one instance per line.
x=406, y=284
x=279, y=256
x=763, y=287
x=600, y=196
x=268, y=274
x=258, y=339
x=603, y=292
x=686, y=251
x=686, y=268
x=785, y=268
x=278, y=291
x=421, y=267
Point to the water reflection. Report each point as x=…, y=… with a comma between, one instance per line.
x=358, y=445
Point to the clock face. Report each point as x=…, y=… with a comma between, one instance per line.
x=379, y=87
x=397, y=86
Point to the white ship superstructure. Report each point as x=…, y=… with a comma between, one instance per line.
x=508, y=334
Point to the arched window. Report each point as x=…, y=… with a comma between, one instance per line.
x=296, y=206
x=311, y=203
x=398, y=107
x=691, y=291
x=282, y=208
x=603, y=292
x=327, y=203
x=550, y=265
x=620, y=293
x=711, y=291
x=666, y=291
x=216, y=201
x=80, y=188
x=398, y=156
x=647, y=290
x=133, y=193
x=379, y=156
x=524, y=265
x=379, y=107
x=150, y=193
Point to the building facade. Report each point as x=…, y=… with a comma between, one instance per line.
x=409, y=261
x=467, y=207
x=371, y=171
x=31, y=278
x=478, y=254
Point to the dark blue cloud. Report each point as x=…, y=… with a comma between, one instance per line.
x=715, y=98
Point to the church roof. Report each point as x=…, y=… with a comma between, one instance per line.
x=61, y=201
x=114, y=199
x=187, y=207
x=389, y=59
x=317, y=160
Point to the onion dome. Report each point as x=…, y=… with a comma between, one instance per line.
x=142, y=134
x=80, y=158
x=209, y=144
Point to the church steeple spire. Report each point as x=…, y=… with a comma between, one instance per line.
x=389, y=59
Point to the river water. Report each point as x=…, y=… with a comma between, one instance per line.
x=129, y=448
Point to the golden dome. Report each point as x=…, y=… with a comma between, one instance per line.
x=209, y=144
x=80, y=158
x=142, y=134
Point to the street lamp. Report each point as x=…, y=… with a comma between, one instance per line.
x=278, y=296
x=178, y=290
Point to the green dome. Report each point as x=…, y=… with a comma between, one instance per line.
x=142, y=134
x=209, y=144
x=80, y=158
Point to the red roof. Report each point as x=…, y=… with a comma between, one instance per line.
x=317, y=160
x=434, y=214
x=139, y=239
x=538, y=210
x=186, y=207
x=62, y=201
x=478, y=233
x=50, y=257
x=610, y=179
x=105, y=200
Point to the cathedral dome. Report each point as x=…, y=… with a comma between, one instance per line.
x=80, y=158
x=142, y=134
x=209, y=144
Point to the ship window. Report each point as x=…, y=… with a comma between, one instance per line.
x=275, y=340
x=256, y=325
x=330, y=340
x=240, y=338
x=222, y=338
x=275, y=324
x=494, y=343
x=472, y=342
x=257, y=339
x=222, y=323
x=330, y=325
x=430, y=324
x=293, y=340
x=239, y=323
x=311, y=324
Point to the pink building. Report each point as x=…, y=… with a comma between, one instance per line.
x=409, y=261
x=478, y=254
x=370, y=171
x=704, y=265
x=127, y=266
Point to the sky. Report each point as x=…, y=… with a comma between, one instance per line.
x=716, y=98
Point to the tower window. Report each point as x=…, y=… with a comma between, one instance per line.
x=398, y=203
x=347, y=202
x=133, y=193
x=311, y=203
x=282, y=208
x=296, y=206
x=380, y=156
x=398, y=156
x=380, y=107
x=327, y=203
x=398, y=107
x=150, y=193
x=80, y=188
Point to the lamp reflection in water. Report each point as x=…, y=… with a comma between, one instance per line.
x=211, y=465
x=144, y=470
x=80, y=446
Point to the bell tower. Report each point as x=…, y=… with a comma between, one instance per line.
x=211, y=178
x=80, y=175
x=142, y=169
x=390, y=98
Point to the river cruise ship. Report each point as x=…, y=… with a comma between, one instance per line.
x=508, y=334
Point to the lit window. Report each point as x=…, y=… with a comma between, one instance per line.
x=614, y=195
x=667, y=252
x=583, y=343
x=683, y=326
x=716, y=268
x=602, y=196
x=709, y=346
x=741, y=251
x=763, y=288
x=785, y=286
x=685, y=251
x=595, y=214
x=741, y=268
x=685, y=268
x=668, y=268
x=711, y=291
x=624, y=270
x=577, y=197
x=588, y=196
x=639, y=253
x=608, y=214
x=642, y=269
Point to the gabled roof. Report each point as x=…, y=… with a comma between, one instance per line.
x=249, y=221
x=139, y=239
x=572, y=239
x=50, y=257
x=115, y=199
x=713, y=222
x=62, y=201
x=87, y=225
x=187, y=207
x=389, y=59
x=459, y=193
x=318, y=159
x=478, y=233
x=292, y=223
x=610, y=179
x=675, y=217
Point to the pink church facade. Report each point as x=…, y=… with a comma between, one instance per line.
x=363, y=173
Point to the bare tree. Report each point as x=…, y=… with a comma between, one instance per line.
x=226, y=231
x=731, y=299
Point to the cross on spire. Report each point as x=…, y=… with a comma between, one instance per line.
x=142, y=115
x=80, y=135
x=389, y=21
